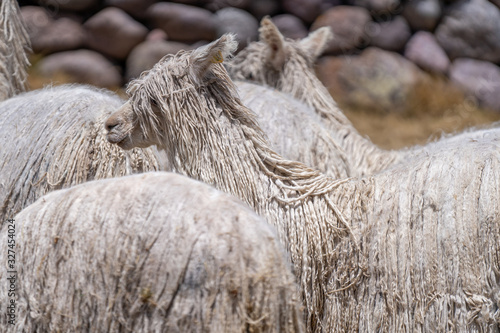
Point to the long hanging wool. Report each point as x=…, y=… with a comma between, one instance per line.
x=415, y=248
x=14, y=44
x=294, y=130
x=155, y=252
x=287, y=65
x=55, y=138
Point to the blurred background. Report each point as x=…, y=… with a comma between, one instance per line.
x=404, y=72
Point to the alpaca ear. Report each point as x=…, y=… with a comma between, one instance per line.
x=204, y=57
x=269, y=34
x=316, y=42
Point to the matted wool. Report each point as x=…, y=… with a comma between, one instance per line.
x=55, y=138
x=14, y=44
x=415, y=248
x=155, y=252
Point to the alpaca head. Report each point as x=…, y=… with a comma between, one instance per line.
x=168, y=104
x=276, y=61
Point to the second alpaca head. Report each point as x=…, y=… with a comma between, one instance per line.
x=276, y=61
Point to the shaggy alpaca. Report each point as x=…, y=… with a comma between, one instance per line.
x=415, y=248
x=155, y=252
x=14, y=42
x=54, y=138
x=294, y=130
x=287, y=65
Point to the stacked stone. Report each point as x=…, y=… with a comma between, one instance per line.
x=380, y=49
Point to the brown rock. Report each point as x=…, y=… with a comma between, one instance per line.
x=135, y=8
x=377, y=6
x=261, y=8
x=374, y=80
x=215, y=5
x=307, y=10
x=50, y=35
x=114, y=33
x=290, y=26
x=83, y=66
x=70, y=5
x=145, y=55
x=424, y=50
x=183, y=23
x=237, y=21
x=422, y=14
x=348, y=25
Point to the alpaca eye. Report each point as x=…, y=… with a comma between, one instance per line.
x=154, y=102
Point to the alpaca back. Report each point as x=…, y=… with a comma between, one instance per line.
x=430, y=234
x=154, y=252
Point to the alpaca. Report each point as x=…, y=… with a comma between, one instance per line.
x=287, y=65
x=154, y=252
x=414, y=248
x=54, y=138
x=14, y=43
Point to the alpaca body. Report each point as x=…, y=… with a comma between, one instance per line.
x=154, y=252
x=369, y=253
x=287, y=66
x=54, y=138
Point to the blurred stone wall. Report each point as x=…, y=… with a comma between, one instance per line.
x=380, y=50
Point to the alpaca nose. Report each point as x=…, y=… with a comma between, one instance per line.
x=111, y=123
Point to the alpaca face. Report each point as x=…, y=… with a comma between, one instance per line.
x=123, y=131
x=167, y=104
x=276, y=61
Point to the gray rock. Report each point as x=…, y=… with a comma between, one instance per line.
x=261, y=8
x=390, y=35
x=237, y=21
x=48, y=35
x=215, y=5
x=135, y=8
x=377, y=6
x=307, y=10
x=114, y=33
x=83, y=66
x=327, y=4
x=424, y=50
x=182, y=22
x=375, y=80
x=472, y=30
x=71, y=5
x=480, y=79
x=145, y=55
x=348, y=25
x=422, y=14
x=290, y=26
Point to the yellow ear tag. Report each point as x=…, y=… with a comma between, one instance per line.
x=217, y=59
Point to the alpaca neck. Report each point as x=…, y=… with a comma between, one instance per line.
x=363, y=155
x=13, y=46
